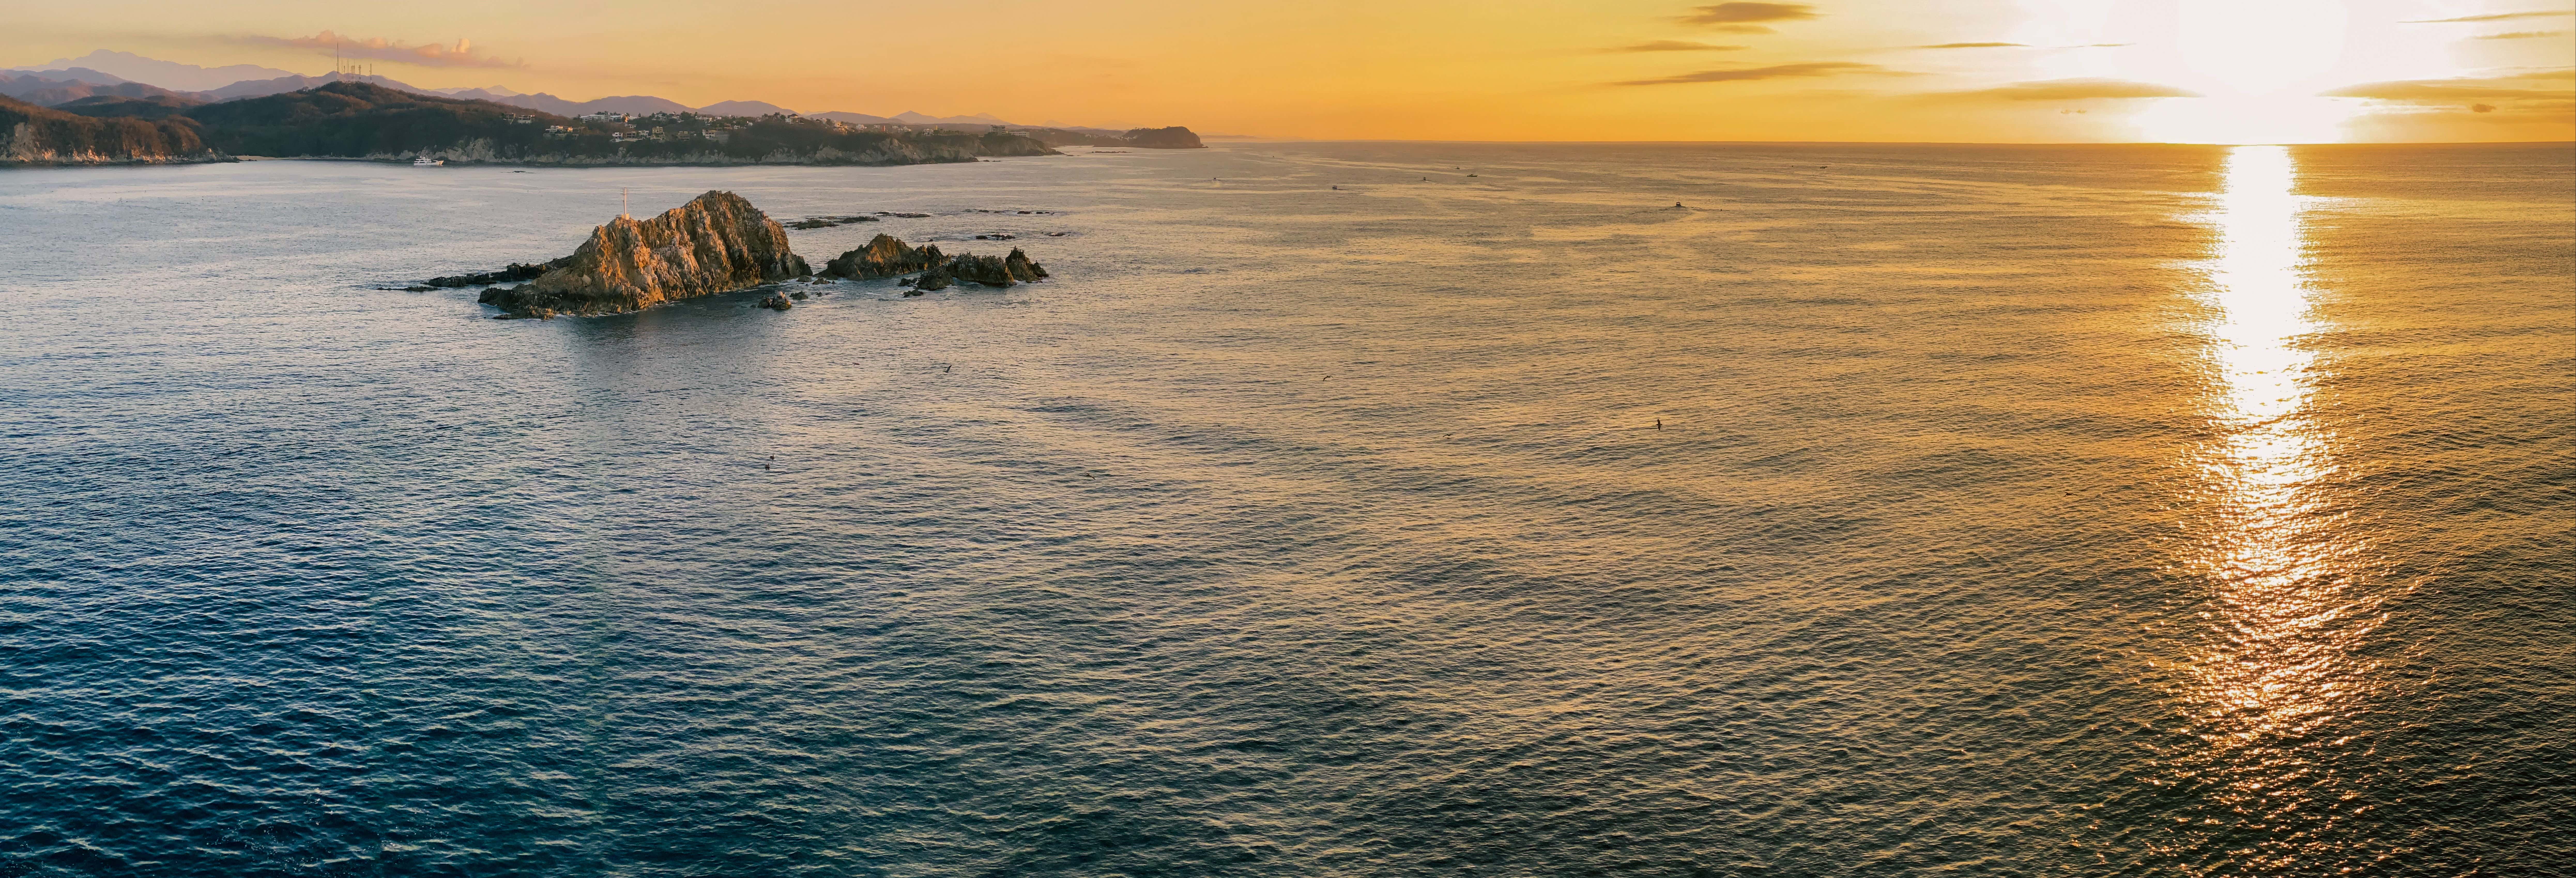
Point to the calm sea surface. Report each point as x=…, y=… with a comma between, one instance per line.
x=2013, y=510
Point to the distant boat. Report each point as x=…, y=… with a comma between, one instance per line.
x=427, y=162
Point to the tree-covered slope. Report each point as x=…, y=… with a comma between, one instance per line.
x=33, y=135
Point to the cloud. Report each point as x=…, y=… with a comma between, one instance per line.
x=2497, y=16
x=2521, y=35
x=1776, y=71
x=2071, y=90
x=1674, y=46
x=1747, y=18
x=1976, y=46
x=2446, y=91
x=381, y=49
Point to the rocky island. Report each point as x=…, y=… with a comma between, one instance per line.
x=716, y=243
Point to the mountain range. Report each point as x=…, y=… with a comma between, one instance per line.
x=103, y=72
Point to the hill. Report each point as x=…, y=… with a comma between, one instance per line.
x=362, y=120
x=33, y=135
x=105, y=106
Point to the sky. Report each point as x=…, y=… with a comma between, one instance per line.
x=2224, y=71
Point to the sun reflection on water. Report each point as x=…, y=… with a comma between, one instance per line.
x=2276, y=666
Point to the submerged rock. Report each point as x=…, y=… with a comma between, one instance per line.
x=776, y=302
x=716, y=243
x=516, y=271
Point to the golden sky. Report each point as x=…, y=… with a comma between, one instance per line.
x=1842, y=70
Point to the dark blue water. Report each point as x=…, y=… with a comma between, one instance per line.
x=2018, y=511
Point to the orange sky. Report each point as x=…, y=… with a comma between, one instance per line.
x=2079, y=70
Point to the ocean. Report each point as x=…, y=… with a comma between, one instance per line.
x=1371, y=509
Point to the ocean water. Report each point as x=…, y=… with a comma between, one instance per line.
x=1880, y=510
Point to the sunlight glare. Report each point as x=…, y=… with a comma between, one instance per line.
x=2280, y=666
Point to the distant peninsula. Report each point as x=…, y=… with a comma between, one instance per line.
x=356, y=120
x=349, y=115
x=365, y=121
x=33, y=136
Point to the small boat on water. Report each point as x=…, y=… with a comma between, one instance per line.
x=427, y=162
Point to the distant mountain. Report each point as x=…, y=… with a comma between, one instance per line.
x=629, y=104
x=744, y=108
x=485, y=93
x=911, y=118
x=260, y=88
x=852, y=118
x=45, y=91
x=83, y=74
x=166, y=74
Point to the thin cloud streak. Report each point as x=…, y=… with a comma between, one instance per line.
x=1745, y=18
x=1750, y=13
x=2069, y=90
x=1975, y=46
x=2521, y=35
x=2451, y=91
x=2497, y=16
x=380, y=49
x=1674, y=46
x=1776, y=71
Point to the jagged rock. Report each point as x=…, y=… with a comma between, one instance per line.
x=776, y=302
x=1021, y=267
x=986, y=270
x=718, y=242
x=884, y=256
x=889, y=256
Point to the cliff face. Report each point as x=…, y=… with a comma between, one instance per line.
x=715, y=243
x=31, y=135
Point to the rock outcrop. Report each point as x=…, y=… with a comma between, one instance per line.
x=884, y=256
x=716, y=243
x=889, y=256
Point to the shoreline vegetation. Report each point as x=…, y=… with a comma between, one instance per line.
x=366, y=122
